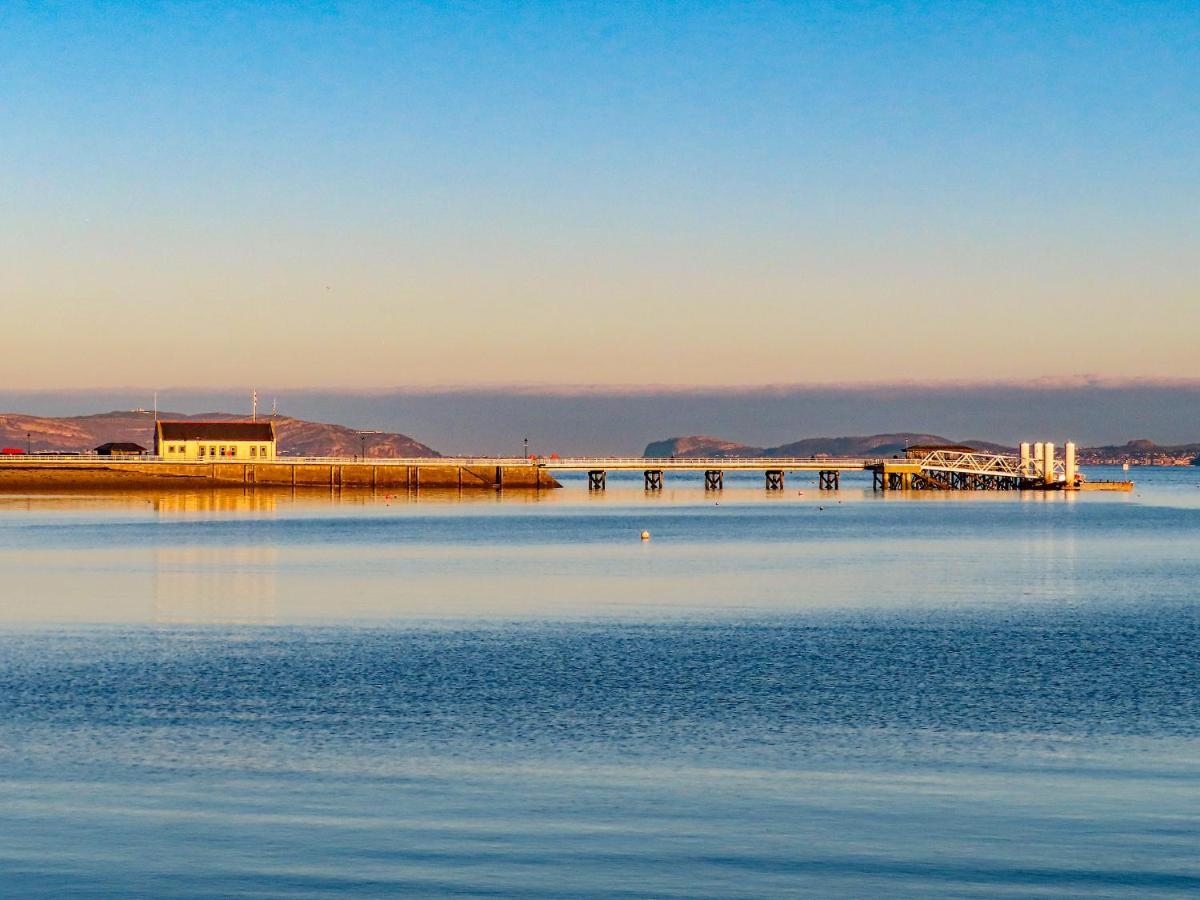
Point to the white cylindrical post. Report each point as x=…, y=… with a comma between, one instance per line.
x=1048, y=462
x=1069, y=463
x=1038, y=458
x=1025, y=458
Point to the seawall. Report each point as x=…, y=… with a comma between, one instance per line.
x=41, y=474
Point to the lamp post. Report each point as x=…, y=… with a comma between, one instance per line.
x=362, y=439
x=28, y=443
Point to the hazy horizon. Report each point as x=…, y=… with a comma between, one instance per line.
x=621, y=421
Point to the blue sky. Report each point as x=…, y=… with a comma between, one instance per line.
x=370, y=195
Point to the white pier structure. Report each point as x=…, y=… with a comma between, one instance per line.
x=921, y=468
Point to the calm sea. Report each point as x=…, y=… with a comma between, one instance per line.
x=803, y=694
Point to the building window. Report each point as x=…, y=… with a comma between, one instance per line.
x=253, y=452
x=233, y=451
x=262, y=451
x=202, y=451
x=212, y=451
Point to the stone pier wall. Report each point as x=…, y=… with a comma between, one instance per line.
x=28, y=475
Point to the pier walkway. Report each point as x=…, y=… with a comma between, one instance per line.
x=921, y=468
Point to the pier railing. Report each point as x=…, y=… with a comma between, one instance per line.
x=93, y=459
x=581, y=463
x=936, y=460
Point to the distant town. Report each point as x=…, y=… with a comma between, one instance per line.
x=1133, y=453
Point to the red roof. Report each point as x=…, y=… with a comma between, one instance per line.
x=216, y=431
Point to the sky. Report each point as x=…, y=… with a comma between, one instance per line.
x=339, y=196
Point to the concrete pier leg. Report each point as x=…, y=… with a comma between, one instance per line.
x=828, y=479
x=1069, y=468
x=596, y=479
x=1048, y=463
x=714, y=480
x=654, y=479
x=774, y=479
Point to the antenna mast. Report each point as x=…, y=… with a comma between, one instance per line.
x=253, y=405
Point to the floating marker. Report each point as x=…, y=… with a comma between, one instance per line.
x=645, y=535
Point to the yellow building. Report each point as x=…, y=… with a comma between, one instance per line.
x=214, y=441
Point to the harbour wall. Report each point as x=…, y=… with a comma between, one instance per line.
x=440, y=474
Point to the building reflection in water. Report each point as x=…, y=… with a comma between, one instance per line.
x=203, y=503
x=216, y=583
x=1047, y=556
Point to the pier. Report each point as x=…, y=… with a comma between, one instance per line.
x=942, y=468
x=96, y=472
x=1035, y=468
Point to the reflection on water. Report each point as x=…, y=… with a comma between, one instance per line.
x=238, y=556
x=215, y=584
x=216, y=503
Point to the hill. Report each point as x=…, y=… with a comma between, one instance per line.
x=699, y=445
x=863, y=445
x=297, y=437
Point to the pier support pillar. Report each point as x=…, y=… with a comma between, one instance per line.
x=714, y=480
x=828, y=479
x=1048, y=462
x=774, y=479
x=1069, y=468
x=654, y=479
x=596, y=479
x=878, y=480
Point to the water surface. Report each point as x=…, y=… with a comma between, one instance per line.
x=800, y=694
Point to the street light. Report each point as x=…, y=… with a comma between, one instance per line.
x=362, y=437
x=527, y=448
x=28, y=443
